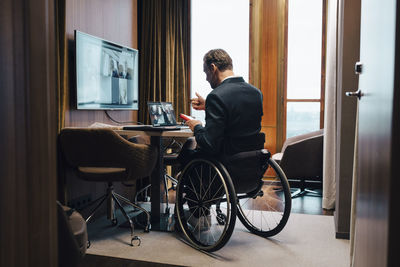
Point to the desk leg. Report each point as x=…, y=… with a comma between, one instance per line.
x=156, y=177
x=160, y=220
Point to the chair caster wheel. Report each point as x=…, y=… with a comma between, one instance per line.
x=114, y=222
x=136, y=240
x=88, y=244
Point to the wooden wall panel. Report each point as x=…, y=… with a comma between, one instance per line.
x=267, y=66
x=270, y=138
x=269, y=57
x=115, y=21
x=256, y=24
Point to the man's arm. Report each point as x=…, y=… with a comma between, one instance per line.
x=210, y=137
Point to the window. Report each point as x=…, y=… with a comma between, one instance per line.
x=218, y=24
x=305, y=84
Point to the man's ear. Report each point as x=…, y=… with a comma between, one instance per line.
x=213, y=67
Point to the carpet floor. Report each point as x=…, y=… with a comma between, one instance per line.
x=306, y=240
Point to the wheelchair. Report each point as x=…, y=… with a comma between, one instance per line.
x=212, y=192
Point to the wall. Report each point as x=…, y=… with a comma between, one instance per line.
x=115, y=21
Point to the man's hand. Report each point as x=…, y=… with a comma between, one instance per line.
x=198, y=103
x=192, y=124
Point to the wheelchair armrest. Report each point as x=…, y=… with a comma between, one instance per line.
x=248, y=154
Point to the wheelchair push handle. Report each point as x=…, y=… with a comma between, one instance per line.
x=266, y=156
x=266, y=153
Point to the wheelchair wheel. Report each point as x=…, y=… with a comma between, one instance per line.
x=266, y=212
x=206, y=204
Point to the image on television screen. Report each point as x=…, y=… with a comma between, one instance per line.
x=106, y=74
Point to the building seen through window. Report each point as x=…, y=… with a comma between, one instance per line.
x=303, y=95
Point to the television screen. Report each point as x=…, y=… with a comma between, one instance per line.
x=106, y=74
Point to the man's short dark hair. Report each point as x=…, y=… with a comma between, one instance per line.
x=220, y=58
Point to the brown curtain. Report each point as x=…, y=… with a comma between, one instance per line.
x=62, y=70
x=164, y=54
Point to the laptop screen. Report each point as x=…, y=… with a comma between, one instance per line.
x=161, y=113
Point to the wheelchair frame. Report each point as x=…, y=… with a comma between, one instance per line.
x=207, y=204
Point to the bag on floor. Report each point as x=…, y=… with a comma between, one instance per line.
x=72, y=236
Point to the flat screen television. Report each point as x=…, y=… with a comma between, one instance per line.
x=106, y=74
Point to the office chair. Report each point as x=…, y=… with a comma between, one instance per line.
x=301, y=160
x=101, y=155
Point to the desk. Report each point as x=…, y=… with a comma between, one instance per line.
x=158, y=218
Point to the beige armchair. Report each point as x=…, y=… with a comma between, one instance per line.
x=301, y=160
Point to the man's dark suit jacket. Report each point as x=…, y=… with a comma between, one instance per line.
x=233, y=119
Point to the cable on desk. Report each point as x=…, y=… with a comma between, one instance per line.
x=120, y=122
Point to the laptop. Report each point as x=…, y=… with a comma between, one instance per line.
x=162, y=118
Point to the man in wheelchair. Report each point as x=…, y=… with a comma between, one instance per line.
x=223, y=165
x=233, y=114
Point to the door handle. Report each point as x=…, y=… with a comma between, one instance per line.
x=357, y=93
